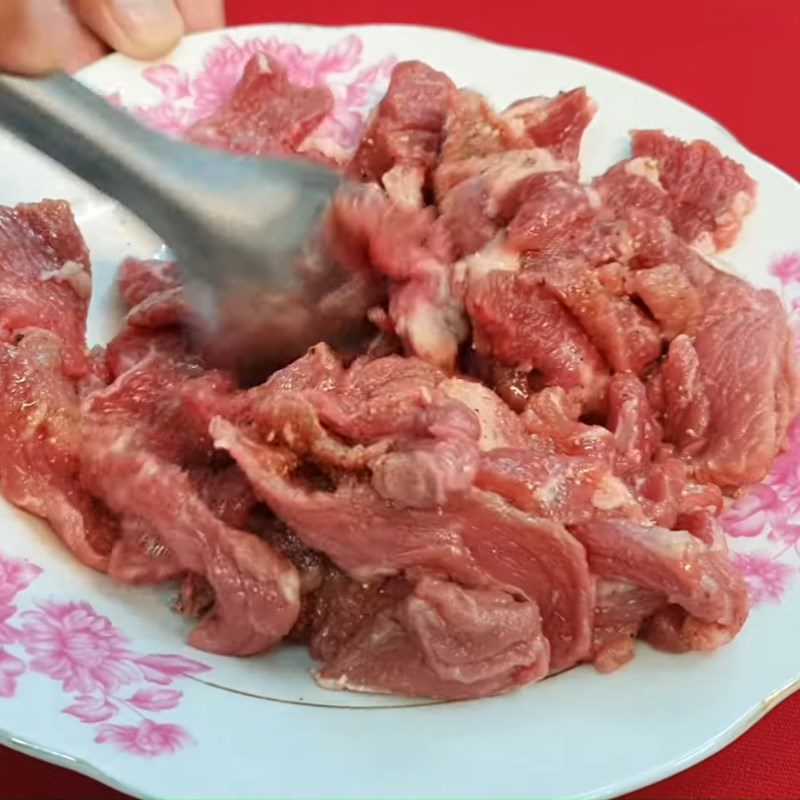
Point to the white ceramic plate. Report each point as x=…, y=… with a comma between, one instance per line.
x=97, y=677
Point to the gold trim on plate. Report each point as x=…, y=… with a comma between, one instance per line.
x=339, y=706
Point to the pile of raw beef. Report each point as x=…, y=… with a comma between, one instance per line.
x=522, y=469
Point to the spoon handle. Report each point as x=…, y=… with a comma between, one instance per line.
x=172, y=187
x=237, y=225
x=99, y=143
x=226, y=218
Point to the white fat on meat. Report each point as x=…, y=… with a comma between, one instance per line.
x=673, y=544
x=741, y=205
x=525, y=113
x=704, y=243
x=505, y=170
x=501, y=171
x=75, y=274
x=644, y=167
x=607, y=589
x=403, y=184
x=497, y=255
x=434, y=332
x=288, y=583
x=500, y=427
x=340, y=684
x=35, y=417
x=612, y=494
x=320, y=141
x=593, y=196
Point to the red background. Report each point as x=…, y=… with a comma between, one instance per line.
x=737, y=60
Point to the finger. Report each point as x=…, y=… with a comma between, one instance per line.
x=86, y=48
x=138, y=28
x=28, y=42
x=202, y=15
x=41, y=35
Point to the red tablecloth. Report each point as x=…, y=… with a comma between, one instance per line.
x=738, y=61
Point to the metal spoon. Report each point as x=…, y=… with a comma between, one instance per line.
x=235, y=224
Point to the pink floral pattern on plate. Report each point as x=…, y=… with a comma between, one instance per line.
x=187, y=98
x=70, y=643
x=765, y=521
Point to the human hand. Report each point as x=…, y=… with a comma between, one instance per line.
x=41, y=35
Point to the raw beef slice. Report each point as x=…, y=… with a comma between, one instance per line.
x=40, y=440
x=266, y=115
x=45, y=277
x=420, y=452
x=139, y=453
x=401, y=144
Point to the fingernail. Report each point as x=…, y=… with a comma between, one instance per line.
x=148, y=19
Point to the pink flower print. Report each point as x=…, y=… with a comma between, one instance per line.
x=766, y=579
x=308, y=68
x=156, y=699
x=147, y=739
x=172, y=83
x=16, y=574
x=166, y=117
x=341, y=57
x=301, y=67
x=788, y=534
x=369, y=82
x=8, y=634
x=753, y=514
x=69, y=642
x=785, y=474
x=351, y=104
x=224, y=65
x=787, y=268
x=10, y=669
x=189, y=99
x=91, y=709
x=163, y=669
x=222, y=70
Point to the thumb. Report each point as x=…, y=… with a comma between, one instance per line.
x=138, y=28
